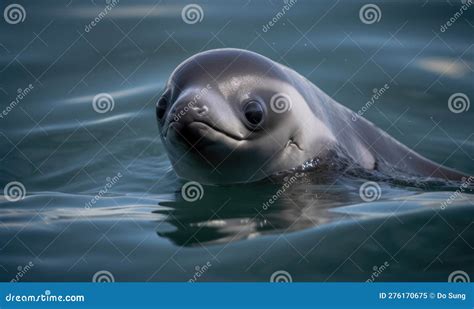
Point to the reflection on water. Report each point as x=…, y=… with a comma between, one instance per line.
x=75, y=221
x=231, y=213
x=235, y=213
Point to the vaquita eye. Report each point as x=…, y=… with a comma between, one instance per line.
x=254, y=113
x=161, y=107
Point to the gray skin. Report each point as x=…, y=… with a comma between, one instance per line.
x=208, y=138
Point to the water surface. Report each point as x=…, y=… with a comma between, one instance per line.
x=141, y=229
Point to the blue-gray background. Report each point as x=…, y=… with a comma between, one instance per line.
x=63, y=151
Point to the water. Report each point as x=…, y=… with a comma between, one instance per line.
x=64, y=152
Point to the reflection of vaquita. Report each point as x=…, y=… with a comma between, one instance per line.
x=14, y=191
x=370, y=13
x=280, y=103
x=288, y=181
x=459, y=276
x=192, y=191
x=103, y=103
x=14, y=14
x=192, y=14
x=103, y=276
x=458, y=103
x=281, y=276
x=370, y=191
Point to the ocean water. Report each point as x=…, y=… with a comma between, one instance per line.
x=99, y=199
